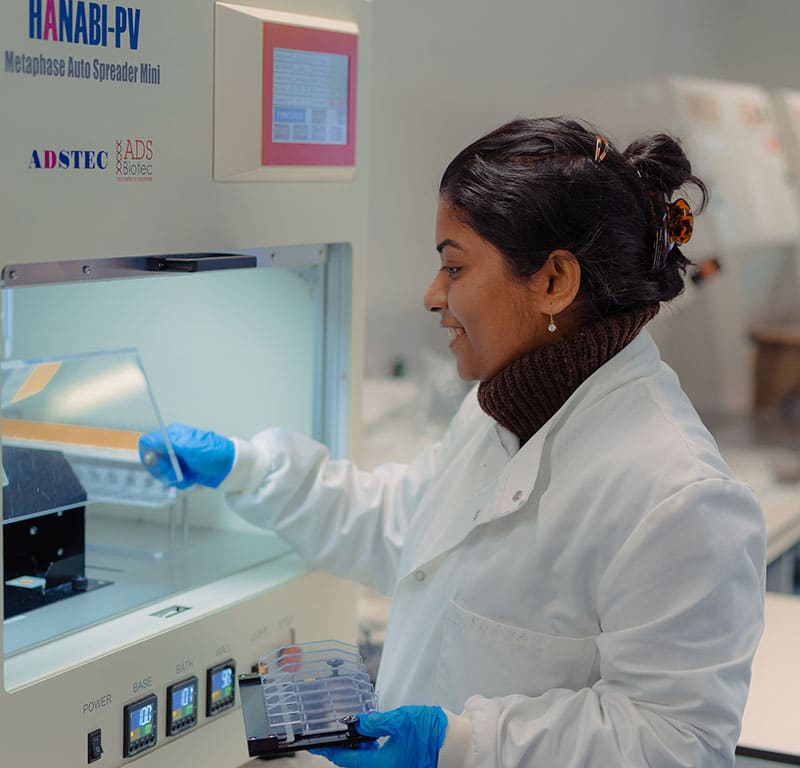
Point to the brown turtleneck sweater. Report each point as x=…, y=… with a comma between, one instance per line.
x=526, y=393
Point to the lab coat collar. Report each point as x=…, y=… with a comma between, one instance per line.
x=640, y=358
x=511, y=490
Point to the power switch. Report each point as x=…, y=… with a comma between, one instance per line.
x=95, y=746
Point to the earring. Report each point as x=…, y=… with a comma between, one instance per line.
x=552, y=326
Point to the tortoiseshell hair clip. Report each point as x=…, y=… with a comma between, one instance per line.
x=600, y=149
x=675, y=228
x=680, y=221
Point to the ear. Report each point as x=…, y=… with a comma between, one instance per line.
x=558, y=281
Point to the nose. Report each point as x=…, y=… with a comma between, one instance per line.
x=435, y=298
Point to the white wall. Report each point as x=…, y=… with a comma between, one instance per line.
x=761, y=43
x=445, y=71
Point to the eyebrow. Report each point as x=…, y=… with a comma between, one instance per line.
x=447, y=242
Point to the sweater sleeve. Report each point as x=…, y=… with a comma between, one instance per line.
x=346, y=521
x=681, y=612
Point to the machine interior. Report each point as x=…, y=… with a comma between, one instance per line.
x=232, y=350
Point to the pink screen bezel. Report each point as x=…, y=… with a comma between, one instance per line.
x=321, y=41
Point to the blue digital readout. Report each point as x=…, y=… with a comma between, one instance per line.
x=183, y=701
x=220, y=690
x=221, y=684
x=141, y=722
x=182, y=711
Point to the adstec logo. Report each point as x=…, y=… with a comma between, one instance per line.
x=50, y=159
x=134, y=159
x=131, y=160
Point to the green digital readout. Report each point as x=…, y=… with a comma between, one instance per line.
x=183, y=701
x=141, y=722
x=220, y=694
x=182, y=712
x=141, y=719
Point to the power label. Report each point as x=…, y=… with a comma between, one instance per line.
x=84, y=23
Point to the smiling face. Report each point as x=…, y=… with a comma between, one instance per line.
x=492, y=317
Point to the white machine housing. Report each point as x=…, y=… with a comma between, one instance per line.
x=787, y=111
x=751, y=225
x=140, y=82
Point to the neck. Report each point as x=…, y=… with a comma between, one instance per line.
x=525, y=394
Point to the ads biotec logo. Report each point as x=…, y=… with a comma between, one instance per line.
x=133, y=159
x=83, y=23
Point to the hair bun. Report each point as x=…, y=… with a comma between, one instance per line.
x=662, y=166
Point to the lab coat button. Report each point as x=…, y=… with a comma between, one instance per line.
x=419, y=575
x=517, y=496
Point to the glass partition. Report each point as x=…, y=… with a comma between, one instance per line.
x=92, y=409
x=89, y=366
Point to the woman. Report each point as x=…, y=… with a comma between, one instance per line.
x=577, y=577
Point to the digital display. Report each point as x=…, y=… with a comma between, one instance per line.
x=220, y=692
x=309, y=97
x=221, y=684
x=182, y=702
x=141, y=722
x=182, y=698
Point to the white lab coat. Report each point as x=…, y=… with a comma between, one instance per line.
x=591, y=599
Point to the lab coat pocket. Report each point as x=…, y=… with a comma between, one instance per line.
x=486, y=657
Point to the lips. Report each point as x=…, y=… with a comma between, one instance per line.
x=454, y=333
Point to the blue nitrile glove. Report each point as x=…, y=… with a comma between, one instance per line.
x=204, y=457
x=416, y=735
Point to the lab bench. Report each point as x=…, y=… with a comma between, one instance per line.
x=770, y=731
x=764, y=452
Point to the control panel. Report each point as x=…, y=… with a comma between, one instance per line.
x=220, y=690
x=140, y=717
x=174, y=700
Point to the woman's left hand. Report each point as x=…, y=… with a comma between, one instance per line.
x=415, y=736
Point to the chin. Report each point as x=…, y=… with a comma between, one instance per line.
x=465, y=373
x=468, y=373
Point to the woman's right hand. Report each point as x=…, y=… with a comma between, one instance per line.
x=204, y=457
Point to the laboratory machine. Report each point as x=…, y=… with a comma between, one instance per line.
x=770, y=735
x=731, y=335
x=784, y=346
x=183, y=210
x=743, y=245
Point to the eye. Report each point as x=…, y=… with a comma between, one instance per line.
x=451, y=271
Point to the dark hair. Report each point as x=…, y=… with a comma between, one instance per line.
x=533, y=186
